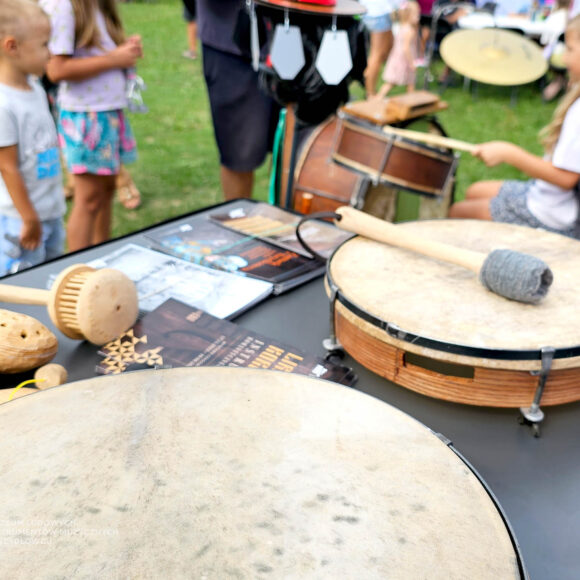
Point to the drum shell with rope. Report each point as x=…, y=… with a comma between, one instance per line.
x=195, y=472
x=432, y=327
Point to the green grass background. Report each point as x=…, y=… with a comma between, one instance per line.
x=178, y=168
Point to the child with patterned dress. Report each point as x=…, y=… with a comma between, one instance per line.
x=91, y=56
x=401, y=68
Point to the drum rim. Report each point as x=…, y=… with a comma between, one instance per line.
x=398, y=333
x=515, y=544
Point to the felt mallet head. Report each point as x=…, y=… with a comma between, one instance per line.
x=516, y=276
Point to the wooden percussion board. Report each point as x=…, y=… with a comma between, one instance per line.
x=393, y=302
x=219, y=472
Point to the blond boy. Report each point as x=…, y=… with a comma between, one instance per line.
x=31, y=194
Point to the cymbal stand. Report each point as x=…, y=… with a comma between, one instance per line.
x=435, y=17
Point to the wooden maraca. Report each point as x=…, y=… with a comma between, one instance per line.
x=84, y=303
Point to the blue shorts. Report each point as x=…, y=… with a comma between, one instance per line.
x=13, y=258
x=511, y=206
x=96, y=142
x=381, y=23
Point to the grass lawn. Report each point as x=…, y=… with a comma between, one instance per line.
x=178, y=168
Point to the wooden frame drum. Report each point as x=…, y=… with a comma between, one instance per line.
x=222, y=472
x=432, y=327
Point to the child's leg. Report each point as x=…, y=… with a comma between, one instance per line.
x=102, y=229
x=383, y=91
x=380, y=46
x=483, y=189
x=410, y=88
x=93, y=194
x=476, y=203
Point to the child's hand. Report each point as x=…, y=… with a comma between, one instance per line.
x=126, y=54
x=30, y=234
x=136, y=40
x=494, y=152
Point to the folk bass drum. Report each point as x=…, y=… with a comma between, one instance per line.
x=322, y=184
x=222, y=472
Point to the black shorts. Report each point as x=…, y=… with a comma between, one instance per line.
x=244, y=118
x=189, y=11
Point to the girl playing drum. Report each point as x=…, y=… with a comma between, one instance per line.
x=549, y=199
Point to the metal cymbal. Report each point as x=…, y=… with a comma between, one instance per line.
x=493, y=56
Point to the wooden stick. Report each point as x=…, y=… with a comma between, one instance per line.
x=374, y=228
x=431, y=139
x=84, y=303
x=508, y=273
x=23, y=295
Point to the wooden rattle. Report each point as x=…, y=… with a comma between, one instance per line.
x=84, y=303
x=26, y=343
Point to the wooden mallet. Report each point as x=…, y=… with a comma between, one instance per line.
x=510, y=274
x=84, y=303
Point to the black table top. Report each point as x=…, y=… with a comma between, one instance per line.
x=535, y=480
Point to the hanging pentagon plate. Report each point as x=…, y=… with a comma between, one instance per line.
x=334, y=60
x=287, y=52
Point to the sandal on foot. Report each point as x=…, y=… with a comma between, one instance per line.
x=129, y=196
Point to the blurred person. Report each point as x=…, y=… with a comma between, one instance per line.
x=378, y=22
x=91, y=59
x=242, y=115
x=31, y=192
x=550, y=198
x=401, y=65
x=189, y=15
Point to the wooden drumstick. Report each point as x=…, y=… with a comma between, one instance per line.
x=84, y=303
x=508, y=273
x=431, y=139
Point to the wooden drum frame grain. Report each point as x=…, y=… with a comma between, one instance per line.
x=432, y=327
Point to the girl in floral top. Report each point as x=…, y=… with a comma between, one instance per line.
x=90, y=58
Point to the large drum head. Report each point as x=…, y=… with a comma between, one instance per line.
x=442, y=311
x=214, y=473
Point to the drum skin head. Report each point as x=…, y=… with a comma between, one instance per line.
x=219, y=472
x=446, y=303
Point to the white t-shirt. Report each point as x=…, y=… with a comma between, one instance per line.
x=552, y=205
x=25, y=121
